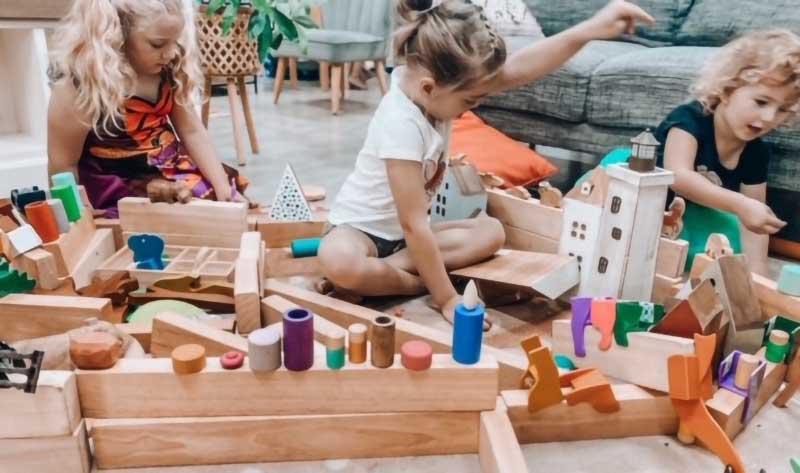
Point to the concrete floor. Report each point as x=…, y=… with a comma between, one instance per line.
x=322, y=149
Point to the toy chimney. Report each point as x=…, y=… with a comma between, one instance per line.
x=643, y=157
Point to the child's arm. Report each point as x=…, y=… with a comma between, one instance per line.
x=754, y=245
x=543, y=57
x=679, y=155
x=198, y=143
x=66, y=130
x=412, y=208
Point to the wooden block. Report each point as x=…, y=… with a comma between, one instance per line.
x=643, y=362
x=68, y=453
x=665, y=288
x=343, y=314
x=222, y=440
x=498, y=448
x=733, y=282
x=52, y=411
x=517, y=239
x=26, y=316
x=172, y=330
x=40, y=265
x=252, y=246
x=671, y=257
x=547, y=274
x=115, y=227
x=98, y=250
x=529, y=215
x=280, y=263
x=282, y=234
x=70, y=246
x=20, y=241
x=143, y=332
x=247, y=295
x=727, y=407
x=641, y=413
x=325, y=332
x=211, y=223
x=446, y=386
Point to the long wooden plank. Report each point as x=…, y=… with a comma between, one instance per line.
x=642, y=362
x=247, y=295
x=671, y=257
x=282, y=234
x=273, y=307
x=343, y=314
x=641, y=413
x=498, y=448
x=548, y=274
x=52, y=410
x=518, y=239
x=280, y=263
x=727, y=407
x=172, y=330
x=98, y=250
x=447, y=386
x=66, y=453
x=143, y=332
x=217, y=220
x=529, y=215
x=26, y=316
x=215, y=440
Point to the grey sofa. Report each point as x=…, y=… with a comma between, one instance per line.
x=612, y=90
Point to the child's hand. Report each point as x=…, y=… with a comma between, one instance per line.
x=615, y=19
x=757, y=217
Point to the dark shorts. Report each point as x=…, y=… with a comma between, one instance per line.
x=385, y=247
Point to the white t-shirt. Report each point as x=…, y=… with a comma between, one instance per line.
x=399, y=130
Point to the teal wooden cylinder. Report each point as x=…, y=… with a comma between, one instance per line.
x=335, y=358
x=789, y=280
x=305, y=248
x=67, y=196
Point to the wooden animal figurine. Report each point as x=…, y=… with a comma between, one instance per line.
x=718, y=245
x=162, y=190
x=673, y=219
x=148, y=251
x=549, y=196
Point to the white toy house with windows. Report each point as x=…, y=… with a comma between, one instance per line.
x=461, y=195
x=617, y=245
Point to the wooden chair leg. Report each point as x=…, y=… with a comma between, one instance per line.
x=325, y=75
x=380, y=71
x=348, y=68
x=293, y=72
x=280, y=76
x=236, y=116
x=206, y=111
x=248, y=114
x=336, y=88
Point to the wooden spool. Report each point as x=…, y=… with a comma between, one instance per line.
x=94, y=350
x=382, y=338
x=232, y=55
x=357, y=348
x=747, y=364
x=188, y=359
x=264, y=349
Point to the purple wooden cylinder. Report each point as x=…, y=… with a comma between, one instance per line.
x=298, y=339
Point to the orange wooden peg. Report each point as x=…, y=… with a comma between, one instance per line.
x=590, y=386
x=604, y=316
x=541, y=377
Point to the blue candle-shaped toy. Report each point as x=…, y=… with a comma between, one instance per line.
x=468, y=327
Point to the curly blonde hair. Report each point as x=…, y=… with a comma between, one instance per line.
x=451, y=39
x=769, y=57
x=90, y=52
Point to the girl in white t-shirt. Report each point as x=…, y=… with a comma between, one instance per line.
x=383, y=242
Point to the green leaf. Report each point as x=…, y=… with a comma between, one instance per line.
x=257, y=24
x=264, y=43
x=305, y=21
x=228, y=17
x=214, y=6
x=286, y=26
x=276, y=42
x=260, y=5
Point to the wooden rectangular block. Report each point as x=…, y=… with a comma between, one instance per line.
x=446, y=386
x=51, y=411
x=212, y=223
x=252, y=246
x=70, y=246
x=671, y=257
x=273, y=307
x=215, y=440
x=547, y=274
x=99, y=248
x=727, y=407
x=115, y=227
x=498, y=448
x=26, y=316
x=343, y=314
x=172, y=330
x=282, y=234
x=40, y=265
x=62, y=454
x=529, y=215
x=280, y=263
x=247, y=296
x=143, y=332
x=518, y=239
x=643, y=362
x=641, y=413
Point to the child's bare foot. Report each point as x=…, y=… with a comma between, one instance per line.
x=449, y=314
x=323, y=286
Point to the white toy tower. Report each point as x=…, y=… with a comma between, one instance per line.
x=624, y=261
x=461, y=196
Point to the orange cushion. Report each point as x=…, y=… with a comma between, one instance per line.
x=491, y=151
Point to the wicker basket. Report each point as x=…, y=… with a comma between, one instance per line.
x=232, y=55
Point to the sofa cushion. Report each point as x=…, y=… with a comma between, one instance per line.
x=563, y=93
x=715, y=22
x=556, y=16
x=510, y=17
x=639, y=89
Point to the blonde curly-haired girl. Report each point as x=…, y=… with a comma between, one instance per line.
x=121, y=112
x=714, y=146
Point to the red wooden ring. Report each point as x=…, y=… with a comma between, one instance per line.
x=232, y=360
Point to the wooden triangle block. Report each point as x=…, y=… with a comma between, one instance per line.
x=731, y=277
x=290, y=204
x=701, y=312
